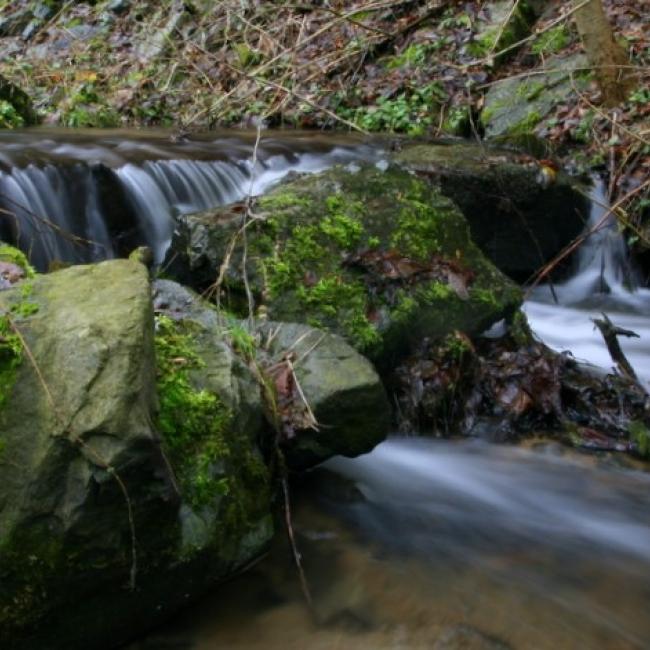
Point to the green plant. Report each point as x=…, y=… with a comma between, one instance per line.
x=640, y=96
x=411, y=111
x=9, y=116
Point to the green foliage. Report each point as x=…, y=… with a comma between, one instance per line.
x=193, y=422
x=411, y=111
x=640, y=96
x=414, y=55
x=458, y=121
x=583, y=132
x=551, y=41
x=85, y=108
x=9, y=116
x=242, y=341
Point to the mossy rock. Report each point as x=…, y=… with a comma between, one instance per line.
x=516, y=217
x=340, y=386
x=101, y=533
x=375, y=255
x=519, y=105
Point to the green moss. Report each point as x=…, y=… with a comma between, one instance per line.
x=14, y=256
x=281, y=200
x=11, y=355
x=530, y=90
x=552, y=41
x=192, y=422
x=216, y=464
x=308, y=247
x=527, y=124
x=640, y=435
x=334, y=299
x=439, y=291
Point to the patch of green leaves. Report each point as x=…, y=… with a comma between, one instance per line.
x=9, y=116
x=551, y=41
x=411, y=111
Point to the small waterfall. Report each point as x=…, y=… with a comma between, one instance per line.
x=602, y=281
x=54, y=213
x=92, y=200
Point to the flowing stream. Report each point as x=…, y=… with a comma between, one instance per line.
x=422, y=543
x=427, y=544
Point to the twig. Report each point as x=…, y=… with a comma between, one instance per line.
x=610, y=333
x=297, y=558
x=567, y=250
x=247, y=213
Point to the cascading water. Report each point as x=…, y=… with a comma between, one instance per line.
x=90, y=199
x=602, y=281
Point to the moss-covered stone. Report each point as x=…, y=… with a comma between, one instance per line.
x=340, y=386
x=518, y=105
x=88, y=503
x=517, y=219
x=371, y=255
x=15, y=106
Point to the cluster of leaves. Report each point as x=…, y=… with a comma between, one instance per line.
x=9, y=116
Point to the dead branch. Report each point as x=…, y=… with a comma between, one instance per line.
x=610, y=334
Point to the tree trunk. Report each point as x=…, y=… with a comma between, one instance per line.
x=605, y=55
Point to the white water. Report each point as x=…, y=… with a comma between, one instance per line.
x=446, y=491
x=602, y=282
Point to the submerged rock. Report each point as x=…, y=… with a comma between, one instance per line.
x=375, y=255
x=516, y=216
x=105, y=527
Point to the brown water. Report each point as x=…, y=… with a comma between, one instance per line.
x=427, y=545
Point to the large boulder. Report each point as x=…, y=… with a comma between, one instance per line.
x=311, y=372
x=105, y=525
x=371, y=253
x=520, y=214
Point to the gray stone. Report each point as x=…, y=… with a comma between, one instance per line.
x=519, y=104
x=91, y=500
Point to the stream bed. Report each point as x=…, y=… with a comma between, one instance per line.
x=431, y=544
